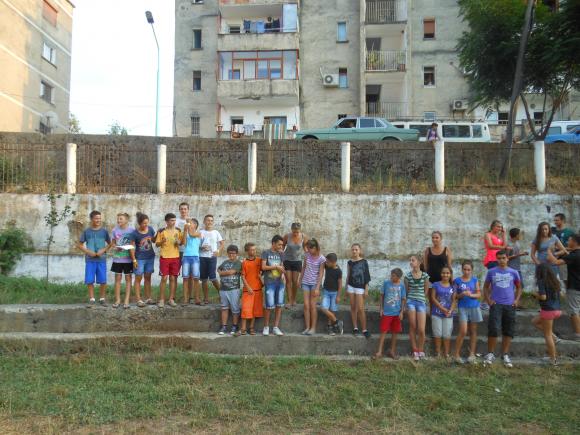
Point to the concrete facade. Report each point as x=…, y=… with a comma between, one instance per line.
x=35, y=54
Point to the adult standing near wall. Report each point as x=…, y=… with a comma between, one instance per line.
x=436, y=257
x=494, y=241
x=294, y=245
x=563, y=234
x=543, y=242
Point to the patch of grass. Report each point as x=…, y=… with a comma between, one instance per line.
x=285, y=394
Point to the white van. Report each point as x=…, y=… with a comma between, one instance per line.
x=450, y=131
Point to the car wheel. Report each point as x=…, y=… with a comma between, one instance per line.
x=309, y=138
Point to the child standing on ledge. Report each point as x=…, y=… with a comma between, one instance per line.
x=357, y=287
x=123, y=258
x=331, y=294
x=168, y=239
x=252, y=298
x=392, y=307
x=230, y=272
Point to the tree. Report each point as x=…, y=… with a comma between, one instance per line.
x=74, y=125
x=52, y=220
x=116, y=129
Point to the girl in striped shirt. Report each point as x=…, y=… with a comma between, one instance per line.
x=312, y=271
x=417, y=284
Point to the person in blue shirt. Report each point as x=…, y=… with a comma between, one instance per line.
x=393, y=298
x=467, y=292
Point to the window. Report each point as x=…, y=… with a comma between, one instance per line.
x=234, y=29
x=236, y=120
x=44, y=129
x=49, y=13
x=197, y=39
x=538, y=118
x=454, y=130
x=341, y=35
x=429, y=76
x=347, y=123
x=502, y=118
x=262, y=65
x=429, y=28
x=276, y=120
x=49, y=53
x=197, y=80
x=429, y=116
x=367, y=123
x=342, y=78
x=477, y=131
x=46, y=92
x=422, y=128
x=195, y=129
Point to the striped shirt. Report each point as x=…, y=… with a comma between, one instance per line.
x=312, y=270
x=417, y=286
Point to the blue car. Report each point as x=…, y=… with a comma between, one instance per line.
x=572, y=136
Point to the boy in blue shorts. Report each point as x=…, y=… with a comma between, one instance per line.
x=274, y=280
x=393, y=298
x=331, y=294
x=94, y=243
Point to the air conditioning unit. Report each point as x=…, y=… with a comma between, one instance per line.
x=460, y=104
x=330, y=80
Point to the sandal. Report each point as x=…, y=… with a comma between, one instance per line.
x=206, y=302
x=140, y=303
x=252, y=331
x=243, y=332
x=115, y=305
x=197, y=302
x=126, y=306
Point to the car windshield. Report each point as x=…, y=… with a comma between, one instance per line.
x=383, y=122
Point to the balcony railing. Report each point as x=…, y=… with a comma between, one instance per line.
x=389, y=111
x=386, y=11
x=386, y=61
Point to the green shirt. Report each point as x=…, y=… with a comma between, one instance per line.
x=416, y=288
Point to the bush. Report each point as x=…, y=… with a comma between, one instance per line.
x=13, y=243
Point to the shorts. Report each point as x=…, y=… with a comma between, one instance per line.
x=207, y=268
x=329, y=300
x=190, y=267
x=169, y=266
x=274, y=295
x=550, y=315
x=293, y=266
x=503, y=316
x=145, y=266
x=414, y=305
x=119, y=268
x=230, y=300
x=95, y=271
x=308, y=287
x=252, y=305
x=355, y=290
x=470, y=315
x=573, y=298
x=390, y=324
x=441, y=326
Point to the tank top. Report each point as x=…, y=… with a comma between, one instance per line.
x=294, y=251
x=490, y=254
x=436, y=263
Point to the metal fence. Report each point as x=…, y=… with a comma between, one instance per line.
x=385, y=11
x=391, y=60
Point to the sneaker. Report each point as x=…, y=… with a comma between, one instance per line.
x=489, y=359
x=416, y=356
x=556, y=339
x=191, y=301
x=266, y=331
x=471, y=359
x=171, y=303
x=422, y=356
x=103, y=302
x=366, y=333
x=459, y=360
x=150, y=302
x=92, y=302
x=161, y=304
x=355, y=332
x=331, y=330
x=306, y=332
x=223, y=330
x=234, y=330
x=277, y=331
x=140, y=303
x=507, y=361
x=340, y=327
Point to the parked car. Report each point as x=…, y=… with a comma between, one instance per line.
x=360, y=128
x=451, y=131
x=572, y=136
x=556, y=128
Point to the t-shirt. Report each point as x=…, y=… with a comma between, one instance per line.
x=552, y=302
x=359, y=275
x=503, y=284
x=542, y=250
x=180, y=223
x=564, y=235
x=122, y=237
x=331, y=277
x=416, y=286
x=251, y=270
x=191, y=246
x=443, y=295
x=311, y=272
x=144, y=244
x=573, y=261
x=170, y=247
x=514, y=263
x=272, y=258
x=393, y=295
x=210, y=239
x=95, y=240
x=230, y=282
x=460, y=286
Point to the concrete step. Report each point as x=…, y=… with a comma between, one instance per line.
x=291, y=344
x=192, y=318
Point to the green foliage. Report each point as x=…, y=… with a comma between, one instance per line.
x=14, y=242
x=52, y=220
x=74, y=125
x=116, y=129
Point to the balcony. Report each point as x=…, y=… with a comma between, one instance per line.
x=233, y=3
x=258, y=41
x=386, y=11
x=386, y=61
x=254, y=90
x=389, y=111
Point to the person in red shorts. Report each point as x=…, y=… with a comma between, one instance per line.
x=252, y=297
x=393, y=298
x=168, y=239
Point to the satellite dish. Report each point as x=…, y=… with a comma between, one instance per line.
x=50, y=119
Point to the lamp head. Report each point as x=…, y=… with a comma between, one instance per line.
x=149, y=16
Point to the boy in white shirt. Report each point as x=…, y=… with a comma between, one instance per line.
x=212, y=243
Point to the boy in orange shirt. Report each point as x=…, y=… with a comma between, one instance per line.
x=252, y=299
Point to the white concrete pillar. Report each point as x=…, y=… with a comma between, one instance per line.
x=440, y=166
x=252, y=167
x=161, y=168
x=345, y=166
x=540, y=165
x=71, y=168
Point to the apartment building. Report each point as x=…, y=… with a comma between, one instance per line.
x=244, y=67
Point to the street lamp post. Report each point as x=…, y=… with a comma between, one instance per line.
x=150, y=20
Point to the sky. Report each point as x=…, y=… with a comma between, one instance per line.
x=114, y=65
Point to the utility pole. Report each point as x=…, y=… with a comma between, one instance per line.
x=150, y=20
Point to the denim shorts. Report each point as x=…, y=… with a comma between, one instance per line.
x=274, y=295
x=145, y=266
x=308, y=287
x=190, y=267
x=230, y=300
x=329, y=300
x=470, y=315
x=95, y=271
x=418, y=306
